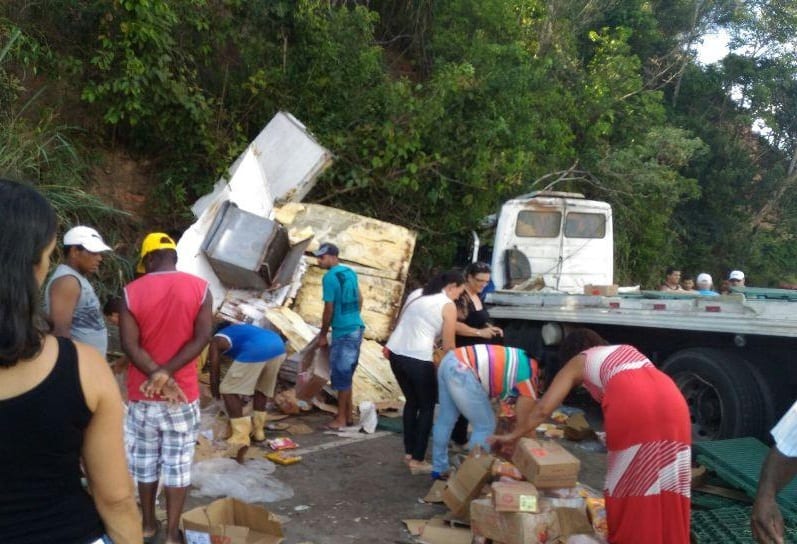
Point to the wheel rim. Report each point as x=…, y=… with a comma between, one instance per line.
x=705, y=406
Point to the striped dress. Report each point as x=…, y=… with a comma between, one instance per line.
x=648, y=436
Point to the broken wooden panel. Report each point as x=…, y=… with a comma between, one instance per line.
x=373, y=380
x=362, y=240
x=381, y=299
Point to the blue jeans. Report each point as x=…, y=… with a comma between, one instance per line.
x=344, y=353
x=459, y=392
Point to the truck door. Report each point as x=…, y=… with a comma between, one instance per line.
x=587, y=247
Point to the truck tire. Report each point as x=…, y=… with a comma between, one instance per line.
x=723, y=392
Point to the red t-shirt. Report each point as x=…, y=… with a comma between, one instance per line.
x=165, y=306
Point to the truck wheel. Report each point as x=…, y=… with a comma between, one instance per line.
x=724, y=394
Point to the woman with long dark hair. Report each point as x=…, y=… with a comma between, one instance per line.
x=648, y=435
x=428, y=314
x=59, y=404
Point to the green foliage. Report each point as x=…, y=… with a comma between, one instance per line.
x=438, y=111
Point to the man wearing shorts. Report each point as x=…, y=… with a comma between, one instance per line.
x=257, y=356
x=342, y=305
x=164, y=324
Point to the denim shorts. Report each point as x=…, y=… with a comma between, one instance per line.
x=344, y=352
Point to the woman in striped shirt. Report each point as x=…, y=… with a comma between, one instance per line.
x=467, y=379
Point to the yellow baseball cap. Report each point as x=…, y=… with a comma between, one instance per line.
x=153, y=242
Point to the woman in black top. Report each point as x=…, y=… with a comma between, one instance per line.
x=59, y=404
x=473, y=326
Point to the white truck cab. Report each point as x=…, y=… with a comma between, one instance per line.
x=563, y=238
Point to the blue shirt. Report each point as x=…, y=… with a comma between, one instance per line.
x=707, y=293
x=340, y=287
x=251, y=344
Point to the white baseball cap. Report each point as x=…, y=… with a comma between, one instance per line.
x=736, y=275
x=87, y=237
x=704, y=279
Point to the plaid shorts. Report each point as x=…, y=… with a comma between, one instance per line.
x=160, y=440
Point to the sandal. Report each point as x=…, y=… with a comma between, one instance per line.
x=153, y=538
x=420, y=467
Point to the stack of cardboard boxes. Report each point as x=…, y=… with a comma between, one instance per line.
x=538, y=500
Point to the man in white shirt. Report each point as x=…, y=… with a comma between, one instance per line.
x=779, y=469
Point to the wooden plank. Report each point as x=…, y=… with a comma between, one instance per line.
x=362, y=240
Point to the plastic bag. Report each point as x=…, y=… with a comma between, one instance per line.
x=249, y=482
x=368, y=417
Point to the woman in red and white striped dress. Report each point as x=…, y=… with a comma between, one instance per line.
x=648, y=436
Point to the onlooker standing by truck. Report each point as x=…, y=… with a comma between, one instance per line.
x=705, y=285
x=257, y=355
x=342, y=305
x=164, y=325
x=779, y=469
x=70, y=302
x=672, y=280
x=736, y=278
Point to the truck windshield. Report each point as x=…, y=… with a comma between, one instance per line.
x=536, y=224
x=585, y=225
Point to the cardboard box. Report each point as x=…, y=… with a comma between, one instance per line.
x=467, y=482
x=230, y=521
x=314, y=371
x=512, y=527
x=515, y=497
x=546, y=464
x=524, y=528
x=486, y=521
x=573, y=521
x=601, y=290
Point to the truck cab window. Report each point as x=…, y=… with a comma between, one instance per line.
x=537, y=224
x=585, y=225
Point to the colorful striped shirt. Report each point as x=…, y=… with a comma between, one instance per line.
x=502, y=371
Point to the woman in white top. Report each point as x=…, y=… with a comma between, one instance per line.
x=428, y=314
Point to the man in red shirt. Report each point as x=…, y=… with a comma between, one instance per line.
x=164, y=324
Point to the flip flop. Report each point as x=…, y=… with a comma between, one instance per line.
x=329, y=427
x=153, y=538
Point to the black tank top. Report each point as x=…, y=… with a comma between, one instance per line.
x=478, y=320
x=41, y=436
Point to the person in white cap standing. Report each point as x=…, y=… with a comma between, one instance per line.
x=70, y=302
x=705, y=285
x=736, y=278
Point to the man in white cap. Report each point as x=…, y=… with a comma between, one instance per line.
x=704, y=285
x=736, y=278
x=70, y=302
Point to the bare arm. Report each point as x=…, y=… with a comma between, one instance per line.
x=488, y=331
x=767, y=521
x=326, y=321
x=217, y=345
x=449, y=325
x=570, y=376
x=103, y=450
x=129, y=335
x=64, y=294
x=203, y=327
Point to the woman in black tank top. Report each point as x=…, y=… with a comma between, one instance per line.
x=49, y=419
